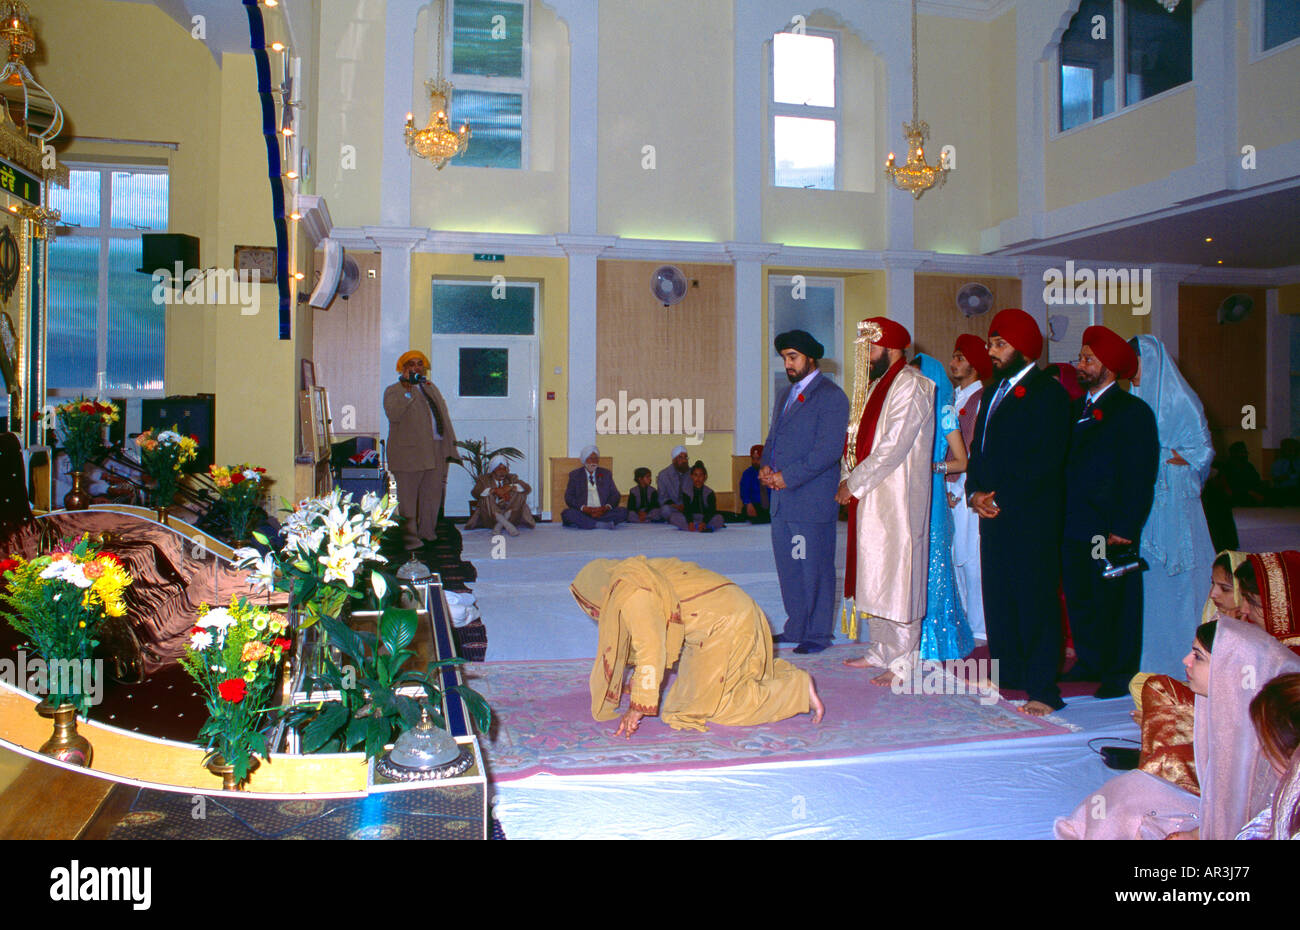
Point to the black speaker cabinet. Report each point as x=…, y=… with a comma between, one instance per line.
x=161, y=252
x=193, y=415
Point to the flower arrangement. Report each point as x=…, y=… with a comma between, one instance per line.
x=80, y=424
x=59, y=602
x=163, y=456
x=233, y=654
x=241, y=489
x=330, y=545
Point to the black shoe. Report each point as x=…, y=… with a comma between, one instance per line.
x=778, y=638
x=809, y=648
x=1106, y=692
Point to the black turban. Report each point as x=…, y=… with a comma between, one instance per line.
x=800, y=341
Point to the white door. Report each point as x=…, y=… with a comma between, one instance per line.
x=485, y=362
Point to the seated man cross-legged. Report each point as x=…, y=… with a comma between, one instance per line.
x=591, y=499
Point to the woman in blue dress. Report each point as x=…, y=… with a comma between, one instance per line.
x=1176, y=540
x=945, y=635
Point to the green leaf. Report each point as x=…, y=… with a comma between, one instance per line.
x=356, y=732
x=397, y=626
x=327, y=725
x=477, y=706
x=349, y=641
x=377, y=732
x=409, y=709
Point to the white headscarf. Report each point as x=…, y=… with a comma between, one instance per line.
x=586, y=453
x=496, y=461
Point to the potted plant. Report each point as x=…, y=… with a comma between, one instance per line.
x=163, y=457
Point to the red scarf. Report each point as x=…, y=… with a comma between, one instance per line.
x=866, y=439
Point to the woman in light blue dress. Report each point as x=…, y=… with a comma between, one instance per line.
x=945, y=635
x=1176, y=540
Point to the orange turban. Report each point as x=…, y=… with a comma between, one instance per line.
x=413, y=355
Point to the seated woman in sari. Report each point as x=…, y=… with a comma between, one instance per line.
x=1275, y=712
x=654, y=613
x=1235, y=778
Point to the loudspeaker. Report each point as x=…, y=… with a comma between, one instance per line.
x=161, y=252
x=193, y=415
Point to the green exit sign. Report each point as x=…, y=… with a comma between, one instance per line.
x=484, y=257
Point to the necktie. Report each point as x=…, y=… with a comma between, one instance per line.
x=437, y=418
x=993, y=405
x=1088, y=405
x=789, y=401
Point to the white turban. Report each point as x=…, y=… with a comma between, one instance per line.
x=586, y=453
x=496, y=461
x=677, y=450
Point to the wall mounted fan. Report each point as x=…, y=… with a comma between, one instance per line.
x=668, y=284
x=974, y=299
x=1235, y=308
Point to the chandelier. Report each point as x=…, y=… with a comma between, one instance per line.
x=437, y=141
x=1170, y=5
x=41, y=116
x=916, y=176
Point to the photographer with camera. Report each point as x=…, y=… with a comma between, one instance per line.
x=421, y=441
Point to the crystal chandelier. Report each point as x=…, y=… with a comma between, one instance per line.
x=916, y=176
x=437, y=141
x=41, y=116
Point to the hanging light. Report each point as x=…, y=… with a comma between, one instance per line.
x=437, y=141
x=916, y=176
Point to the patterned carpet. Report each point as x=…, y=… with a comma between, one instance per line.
x=543, y=723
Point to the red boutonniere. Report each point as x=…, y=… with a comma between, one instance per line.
x=801, y=398
x=1018, y=390
x=1097, y=415
x=961, y=412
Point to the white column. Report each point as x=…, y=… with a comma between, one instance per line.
x=1163, y=301
x=395, y=292
x=1031, y=289
x=583, y=252
x=1214, y=51
x=751, y=344
x=1277, y=377
x=900, y=286
x=399, y=76
x=583, y=20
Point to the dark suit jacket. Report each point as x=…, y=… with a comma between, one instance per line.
x=806, y=445
x=1110, y=474
x=1020, y=455
x=575, y=495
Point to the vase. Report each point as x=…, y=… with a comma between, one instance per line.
x=78, y=498
x=65, y=744
x=218, y=765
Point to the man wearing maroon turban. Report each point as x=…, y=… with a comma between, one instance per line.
x=971, y=366
x=1110, y=480
x=886, y=481
x=1015, y=483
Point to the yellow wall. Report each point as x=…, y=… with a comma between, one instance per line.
x=1268, y=107
x=1004, y=183
x=1144, y=143
x=532, y=200
x=350, y=112
x=666, y=81
x=553, y=274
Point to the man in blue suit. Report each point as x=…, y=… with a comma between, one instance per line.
x=801, y=466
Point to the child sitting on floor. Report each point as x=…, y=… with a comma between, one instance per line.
x=701, y=513
x=643, y=500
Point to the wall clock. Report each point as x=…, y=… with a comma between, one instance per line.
x=261, y=259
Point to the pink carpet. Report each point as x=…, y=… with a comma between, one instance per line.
x=543, y=723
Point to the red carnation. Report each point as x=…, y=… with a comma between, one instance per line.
x=8, y=565
x=195, y=437
x=236, y=477
x=233, y=690
x=281, y=643
x=1019, y=390
x=801, y=398
x=87, y=408
x=195, y=629
x=260, y=471
x=1096, y=415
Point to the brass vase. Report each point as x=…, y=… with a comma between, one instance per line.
x=65, y=744
x=218, y=765
x=78, y=498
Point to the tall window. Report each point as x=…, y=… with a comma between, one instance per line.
x=805, y=109
x=105, y=333
x=487, y=47
x=1140, y=39
x=1281, y=22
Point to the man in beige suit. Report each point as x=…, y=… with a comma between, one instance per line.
x=886, y=482
x=421, y=442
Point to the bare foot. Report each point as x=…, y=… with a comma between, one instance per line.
x=1035, y=709
x=860, y=662
x=885, y=680
x=818, y=708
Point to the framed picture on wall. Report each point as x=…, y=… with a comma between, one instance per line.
x=314, y=421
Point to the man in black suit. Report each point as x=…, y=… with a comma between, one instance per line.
x=1015, y=482
x=1110, y=479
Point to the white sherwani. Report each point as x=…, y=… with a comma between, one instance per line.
x=966, y=539
x=892, y=486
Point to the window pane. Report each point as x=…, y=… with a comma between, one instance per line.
x=1090, y=62
x=484, y=44
x=484, y=372
x=136, y=346
x=139, y=200
x=803, y=69
x=73, y=312
x=497, y=124
x=1159, y=48
x=79, y=203
x=470, y=308
x=804, y=150
x=1281, y=22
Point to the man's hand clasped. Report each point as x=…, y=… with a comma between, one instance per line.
x=983, y=504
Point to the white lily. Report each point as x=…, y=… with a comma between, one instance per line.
x=341, y=565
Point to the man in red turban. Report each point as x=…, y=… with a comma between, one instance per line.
x=1110, y=483
x=886, y=478
x=971, y=365
x=1015, y=484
